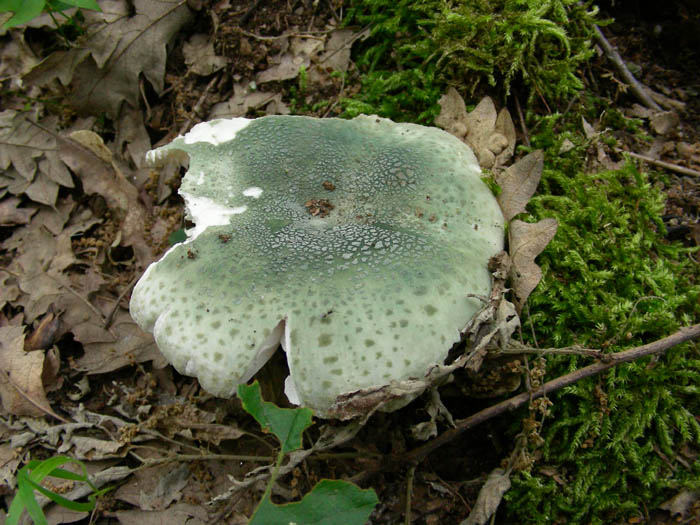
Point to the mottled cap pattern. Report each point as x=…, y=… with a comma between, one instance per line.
x=354, y=243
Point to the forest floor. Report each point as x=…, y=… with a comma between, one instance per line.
x=82, y=215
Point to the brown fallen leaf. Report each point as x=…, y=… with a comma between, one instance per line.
x=122, y=43
x=107, y=350
x=21, y=388
x=98, y=176
x=489, y=498
x=526, y=241
x=490, y=135
x=200, y=57
x=518, y=183
x=682, y=503
x=11, y=214
x=296, y=53
x=44, y=335
x=664, y=122
x=155, y=488
x=245, y=98
x=9, y=460
x=179, y=513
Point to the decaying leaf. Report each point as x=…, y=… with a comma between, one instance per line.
x=9, y=461
x=526, y=241
x=119, y=47
x=110, y=349
x=436, y=410
x=296, y=53
x=682, y=503
x=200, y=57
x=11, y=214
x=245, y=98
x=490, y=134
x=490, y=496
x=518, y=184
x=101, y=177
x=20, y=375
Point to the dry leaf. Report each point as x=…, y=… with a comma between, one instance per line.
x=100, y=177
x=506, y=128
x=107, y=350
x=179, y=513
x=295, y=54
x=245, y=98
x=155, y=488
x=490, y=496
x=491, y=136
x=664, y=122
x=119, y=47
x=9, y=460
x=11, y=214
x=587, y=128
x=20, y=371
x=526, y=241
x=44, y=334
x=518, y=183
x=200, y=57
x=453, y=113
x=682, y=503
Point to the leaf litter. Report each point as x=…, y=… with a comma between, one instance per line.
x=88, y=215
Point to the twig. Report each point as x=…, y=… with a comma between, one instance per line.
x=634, y=85
x=662, y=164
x=110, y=316
x=523, y=126
x=518, y=348
x=198, y=106
x=409, y=492
x=682, y=336
x=152, y=462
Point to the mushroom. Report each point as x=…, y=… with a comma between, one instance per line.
x=357, y=244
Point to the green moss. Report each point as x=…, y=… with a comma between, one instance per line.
x=610, y=281
x=417, y=48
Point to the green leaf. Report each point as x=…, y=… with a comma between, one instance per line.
x=177, y=236
x=24, y=11
x=83, y=4
x=287, y=424
x=60, y=500
x=331, y=502
x=28, y=479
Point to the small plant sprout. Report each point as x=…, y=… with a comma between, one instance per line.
x=358, y=245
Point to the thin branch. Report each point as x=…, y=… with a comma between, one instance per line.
x=682, y=336
x=662, y=164
x=634, y=85
x=516, y=348
x=409, y=492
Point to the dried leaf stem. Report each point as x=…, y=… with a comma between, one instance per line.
x=461, y=425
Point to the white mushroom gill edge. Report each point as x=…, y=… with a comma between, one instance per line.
x=205, y=212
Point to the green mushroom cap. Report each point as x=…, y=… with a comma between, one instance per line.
x=354, y=243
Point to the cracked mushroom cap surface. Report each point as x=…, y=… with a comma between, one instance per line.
x=354, y=243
